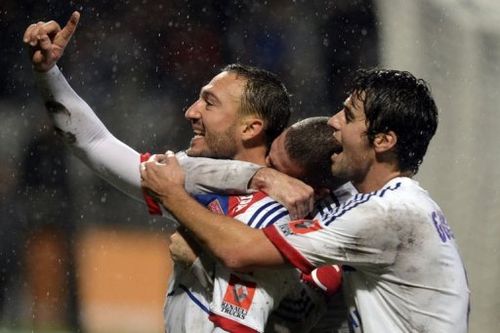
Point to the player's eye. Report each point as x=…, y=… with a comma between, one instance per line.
x=348, y=115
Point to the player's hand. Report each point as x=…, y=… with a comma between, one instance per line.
x=292, y=193
x=163, y=178
x=47, y=41
x=181, y=251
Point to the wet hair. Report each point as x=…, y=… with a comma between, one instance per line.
x=310, y=143
x=397, y=101
x=266, y=97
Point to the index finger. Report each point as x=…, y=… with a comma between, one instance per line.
x=69, y=29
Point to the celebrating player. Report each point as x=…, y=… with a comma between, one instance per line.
x=237, y=115
x=403, y=272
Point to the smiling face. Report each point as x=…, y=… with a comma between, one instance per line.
x=214, y=117
x=357, y=155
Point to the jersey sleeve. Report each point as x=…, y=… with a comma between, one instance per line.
x=117, y=163
x=80, y=128
x=345, y=236
x=208, y=175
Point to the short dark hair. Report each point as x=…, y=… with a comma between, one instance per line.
x=310, y=143
x=265, y=96
x=397, y=101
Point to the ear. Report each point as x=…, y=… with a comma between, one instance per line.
x=251, y=128
x=385, y=142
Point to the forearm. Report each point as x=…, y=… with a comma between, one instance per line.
x=235, y=244
x=87, y=136
x=208, y=175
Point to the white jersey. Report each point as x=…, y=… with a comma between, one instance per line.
x=238, y=301
x=311, y=308
x=116, y=162
x=402, y=269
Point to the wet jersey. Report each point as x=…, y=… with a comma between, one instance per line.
x=240, y=301
x=402, y=269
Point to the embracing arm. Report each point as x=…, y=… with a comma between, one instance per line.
x=237, y=245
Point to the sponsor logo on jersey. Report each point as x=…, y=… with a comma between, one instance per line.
x=215, y=207
x=239, y=204
x=304, y=226
x=238, y=297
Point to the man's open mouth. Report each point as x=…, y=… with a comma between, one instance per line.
x=198, y=134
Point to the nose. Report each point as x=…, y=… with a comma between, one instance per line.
x=335, y=121
x=193, y=112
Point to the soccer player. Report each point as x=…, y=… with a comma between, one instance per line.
x=403, y=271
x=236, y=116
x=303, y=150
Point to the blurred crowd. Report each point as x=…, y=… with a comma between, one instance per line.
x=139, y=64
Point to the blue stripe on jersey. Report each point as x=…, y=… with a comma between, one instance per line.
x=254, y=216
x=327, y=205
x=263, y=218
x=255, y=221
x=194, y=299
x=276, y=218
x=357, y=200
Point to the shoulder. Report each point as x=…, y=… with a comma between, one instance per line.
x=395, y=197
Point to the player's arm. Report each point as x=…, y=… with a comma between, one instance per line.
x=206, y=175
x=73, y=119
x=90, y=140
x=238, y=246
x=86, y=135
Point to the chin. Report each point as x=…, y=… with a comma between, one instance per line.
x=192, y=152
x=198, y=152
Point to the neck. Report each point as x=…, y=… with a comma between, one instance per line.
x=377, y=177
x=255, y=155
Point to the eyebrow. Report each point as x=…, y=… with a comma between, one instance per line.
x=208, y=94
x=349, y=107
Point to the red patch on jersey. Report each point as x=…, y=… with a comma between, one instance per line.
x=300, y=227
x=153, y=206
x=215, y=207
x=240, y=292
x=239, y=204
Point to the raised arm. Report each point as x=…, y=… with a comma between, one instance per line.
x=116, y=162
x=73, y=119
x=90, y=140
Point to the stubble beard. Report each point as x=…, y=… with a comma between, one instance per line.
x=217, y=145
